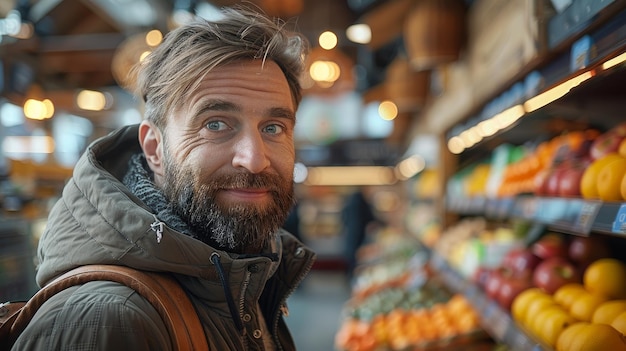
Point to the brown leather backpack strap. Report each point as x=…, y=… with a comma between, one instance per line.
x=8, y=314
x=161, y=290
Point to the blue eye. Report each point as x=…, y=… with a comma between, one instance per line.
x=216, y=125
x=273, y=129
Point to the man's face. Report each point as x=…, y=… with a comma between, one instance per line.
x=228, y=156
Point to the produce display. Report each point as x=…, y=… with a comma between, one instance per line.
x=585, y=164
x=555, y=291
x=410, y=309
x=587, y=315
x=548, y=264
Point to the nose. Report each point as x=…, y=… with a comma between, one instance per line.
x=250, y=153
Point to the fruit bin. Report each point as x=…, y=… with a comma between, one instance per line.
x=401, y=305
x=494, y=319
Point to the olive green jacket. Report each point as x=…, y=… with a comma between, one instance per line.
x=99, y=221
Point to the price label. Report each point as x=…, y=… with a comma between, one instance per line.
x=619, y=225
x=586, y=216
x=526, y=208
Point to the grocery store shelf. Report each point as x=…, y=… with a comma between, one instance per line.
x=570, y=215
x=495, y=320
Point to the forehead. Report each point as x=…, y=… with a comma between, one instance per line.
x=248, y=79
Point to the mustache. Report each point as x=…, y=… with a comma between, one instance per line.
x=267, y=181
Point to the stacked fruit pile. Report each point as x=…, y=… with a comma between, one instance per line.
x=549, y=263
x=585, y=164
x=398, y=302
x=582, y=163
x=433, y=324
x=536, y=172
x=579, y=316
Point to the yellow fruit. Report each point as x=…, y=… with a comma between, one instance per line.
x=519, y=306
x=598, y=337
x=619, y=322
x=589, y=180
x=568, y=293
x=622, y=148
x=586, y=304
x=623, y=186
x=553, y=321
x=607, y=277
x=609, y=181
x=567, y=337
x=607, y=311
x=539, y=303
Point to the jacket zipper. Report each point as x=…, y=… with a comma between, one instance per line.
x=283, y=302
x=246, y=283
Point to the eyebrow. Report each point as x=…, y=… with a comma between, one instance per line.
x=282, y=112
x=217, y=105
x=221, y=105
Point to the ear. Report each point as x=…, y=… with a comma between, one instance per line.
x=150, y=139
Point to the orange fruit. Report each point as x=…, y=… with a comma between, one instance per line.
x=606, y=277
x=609, y=181
x=607, y=311
x=589, y=180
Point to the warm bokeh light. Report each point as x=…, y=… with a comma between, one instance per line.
x=455, y=145
x=388, y=110
x=327, y=40
x=143, y=55
x=38, y=109
x=34, y=144
x=410, y=166
x=324, y=71
x=91, y=100
x=350, y=175
x=359, y=33
x=49, y=108
x=557, y=92
x=614, y=61
x=154, y=37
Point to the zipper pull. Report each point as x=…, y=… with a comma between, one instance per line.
x=284, y=309
x=157, y=227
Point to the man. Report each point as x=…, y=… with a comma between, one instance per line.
x=199, y=190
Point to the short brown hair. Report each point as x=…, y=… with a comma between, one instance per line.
x=189, y=52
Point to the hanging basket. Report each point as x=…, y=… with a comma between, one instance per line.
x=405, y=86
x=434, y=32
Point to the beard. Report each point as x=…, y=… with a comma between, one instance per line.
x=238, y=228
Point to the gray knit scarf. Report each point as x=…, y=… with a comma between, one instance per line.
x=139, y=180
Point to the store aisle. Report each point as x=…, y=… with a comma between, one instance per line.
x=315, y=310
